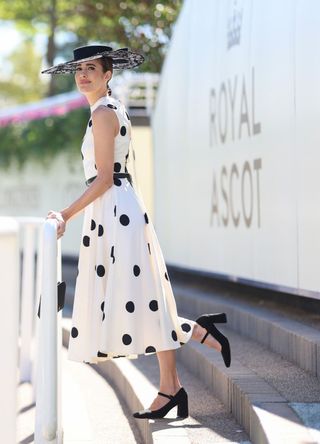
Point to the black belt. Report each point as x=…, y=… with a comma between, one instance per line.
x=115, y=175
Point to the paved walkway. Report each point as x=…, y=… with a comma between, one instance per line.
x=91, y=410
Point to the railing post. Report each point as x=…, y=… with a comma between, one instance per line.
x=27, y=303
x=9, y=325
x=48, y=403
x=149, y=93
x=36, y=327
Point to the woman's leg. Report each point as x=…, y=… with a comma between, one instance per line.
x=169, y=380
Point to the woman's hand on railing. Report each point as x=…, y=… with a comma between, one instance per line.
x=61, y=222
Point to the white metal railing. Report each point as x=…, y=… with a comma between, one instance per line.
x=39, y=339
x=48, y=421
x=137, y=91
x=9, y=324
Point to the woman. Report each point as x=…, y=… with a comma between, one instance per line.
x=123, y=304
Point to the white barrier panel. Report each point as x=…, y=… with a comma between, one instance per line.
x=237, y=139
x=9, y=318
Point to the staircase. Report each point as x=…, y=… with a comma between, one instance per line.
x=270, y=394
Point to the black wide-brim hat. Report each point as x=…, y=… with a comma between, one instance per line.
x=123, y=58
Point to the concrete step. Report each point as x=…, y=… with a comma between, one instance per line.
x=265, y=393
x=137, y=382
x=293, y=340
x=92, y=413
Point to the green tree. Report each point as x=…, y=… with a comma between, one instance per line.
x=143, y=25
x=19, y=83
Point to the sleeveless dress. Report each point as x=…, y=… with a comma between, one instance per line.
x=123, y=303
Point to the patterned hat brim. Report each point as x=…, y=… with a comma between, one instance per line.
x=122, y=58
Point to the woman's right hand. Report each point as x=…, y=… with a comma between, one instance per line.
x=61, y=222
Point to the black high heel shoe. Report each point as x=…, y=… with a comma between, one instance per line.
x=180, y=399
x=207, y=321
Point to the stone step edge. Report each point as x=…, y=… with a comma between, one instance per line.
x=265, y=415
x=294, y=341
x=134, y=388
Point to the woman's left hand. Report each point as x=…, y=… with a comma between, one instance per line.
x=61, y=222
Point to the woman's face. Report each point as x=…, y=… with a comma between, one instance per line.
x=89, y=76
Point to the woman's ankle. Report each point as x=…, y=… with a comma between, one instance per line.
x=170, y=389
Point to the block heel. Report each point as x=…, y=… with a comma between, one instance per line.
x=182, y=409
x=217, y=318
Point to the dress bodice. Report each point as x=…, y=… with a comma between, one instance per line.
x=121, y=141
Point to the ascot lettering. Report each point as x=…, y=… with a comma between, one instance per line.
x=232, y=110
x=236, y=195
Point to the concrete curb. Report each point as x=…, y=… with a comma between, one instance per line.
x=296, y=342
x=134, y=388
x=257, y=406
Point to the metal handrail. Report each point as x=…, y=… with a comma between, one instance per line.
x=48, y=424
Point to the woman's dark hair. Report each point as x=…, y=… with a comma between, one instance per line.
x=106, y=63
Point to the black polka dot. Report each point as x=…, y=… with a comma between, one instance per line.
x=185, y=327
x=127, y=155
x=103, y=316
x=146, y=218
x=82, y=156
x=153, y=305
x=130, y=307
x=115, y=210
x=74, y=332
x=111, y=106
x=100, y=230
x=95, y=166
x=100, y=270
x=124, y=219
x=182, y=343
x=166, y=276
x=127, y=115
x=123, y=130
x=93, y=224
x=102, y=306
x=117, y=181
x=174, y=335
x=126, y=339
x=102, y=355
x=136, y=270
x=150, y=349
x=149, y=248
x=90, y=122
x=86, y=241
x=112, y=254
x=117, y=167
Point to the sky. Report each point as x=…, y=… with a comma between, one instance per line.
x=12, y=37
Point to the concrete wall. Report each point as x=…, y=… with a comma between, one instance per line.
x=236, y=141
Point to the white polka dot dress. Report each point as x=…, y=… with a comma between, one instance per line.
x=123, y=304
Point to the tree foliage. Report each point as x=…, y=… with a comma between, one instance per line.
x=41, y=140
x=143, y=25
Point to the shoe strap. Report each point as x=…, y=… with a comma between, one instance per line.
x=204, y=337
x=167, y=396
